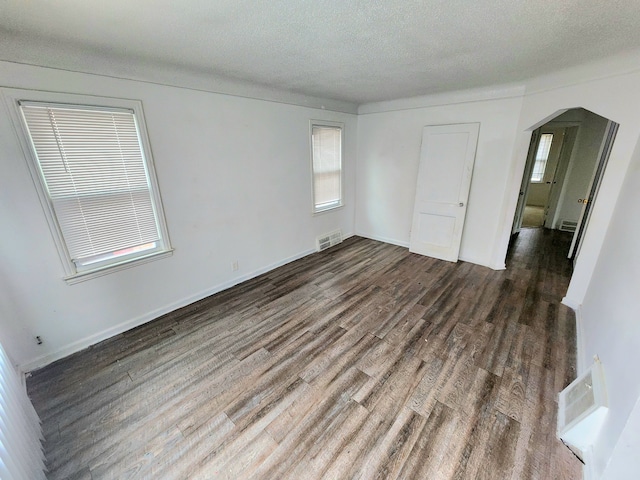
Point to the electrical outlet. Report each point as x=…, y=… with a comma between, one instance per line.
x=234, y=265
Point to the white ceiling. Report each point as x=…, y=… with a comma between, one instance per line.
x=350, y=50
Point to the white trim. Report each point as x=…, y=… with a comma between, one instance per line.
x=571, y=303
x=581, y=352
x=14, y=97
x=402, y=243
x=147, y=317
x=448, y=98
x=392, y=241
x=330, y=124
x=116, y=267
x=197, y=82
x=588, y=470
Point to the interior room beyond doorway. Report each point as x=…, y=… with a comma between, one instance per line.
x=566, y=160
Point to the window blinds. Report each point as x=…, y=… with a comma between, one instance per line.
x=542, y=155
x=327, y=166
x=21, y=455
x=94, y=169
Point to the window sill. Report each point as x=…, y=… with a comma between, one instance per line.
x=328, y=209
x=107, y=269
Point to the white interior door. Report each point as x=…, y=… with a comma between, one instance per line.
x=444, y=178
x=526, y=180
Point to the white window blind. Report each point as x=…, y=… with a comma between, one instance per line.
x=96, y=178
x=542, y=155
x=327, y=166
x=21, y=455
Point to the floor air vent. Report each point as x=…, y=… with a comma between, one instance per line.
x=582, y=407
x=568, y=226
x=329, y=240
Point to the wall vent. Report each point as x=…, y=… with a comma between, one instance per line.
x=568, y=226
x=582, y=407
x=328, y=240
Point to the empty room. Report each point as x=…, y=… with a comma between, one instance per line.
x=329, y=239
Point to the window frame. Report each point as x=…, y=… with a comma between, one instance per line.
x=72, y=275
x=545, y=161
x=340, y=203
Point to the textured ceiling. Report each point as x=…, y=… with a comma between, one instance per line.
x=351, y=50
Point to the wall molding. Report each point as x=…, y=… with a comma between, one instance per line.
x=167, y=76
x=497, y=92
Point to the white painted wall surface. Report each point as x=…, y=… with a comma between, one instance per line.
x=610, y=320
x=606, y=277
x=234, y=175
x=614, y=97
x=625, y=461
x=581, y=167
x=538, y=194
x=388, y=159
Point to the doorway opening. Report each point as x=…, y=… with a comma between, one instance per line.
x=566, y=160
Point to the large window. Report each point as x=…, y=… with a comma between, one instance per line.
x=326, y=159
x=542, y=156
x=98, y=183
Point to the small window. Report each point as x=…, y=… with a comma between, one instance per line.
x=326, y=159
x=542, y=155
x=98, y=184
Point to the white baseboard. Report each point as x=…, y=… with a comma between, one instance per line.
x=571, y=303
x=392, y=241
x=402, y=243
x=83, y=343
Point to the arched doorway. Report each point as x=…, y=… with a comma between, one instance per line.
x=566, y=159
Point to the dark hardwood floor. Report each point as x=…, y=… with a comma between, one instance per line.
x=363, y=361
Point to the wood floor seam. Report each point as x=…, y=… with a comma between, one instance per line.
x=362, y=361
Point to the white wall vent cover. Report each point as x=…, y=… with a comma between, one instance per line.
x=568, y=226
x=328, y=240
x=582, y=407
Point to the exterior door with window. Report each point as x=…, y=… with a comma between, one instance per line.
x=526, y=180
x=444, y=179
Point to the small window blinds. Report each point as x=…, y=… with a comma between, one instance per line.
x=327, y=166
x=542, y=155
x=94, y=171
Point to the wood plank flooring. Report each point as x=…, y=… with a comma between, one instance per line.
x=363, y=361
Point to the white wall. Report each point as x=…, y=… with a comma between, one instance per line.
x=625, y=461
x=234, y=175
x=389, y=156
x=605, y=282
x=581, y=167
x=610, y=318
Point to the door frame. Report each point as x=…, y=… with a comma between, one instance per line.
x=571, y=133
x=526, y=180
x=606, y=146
